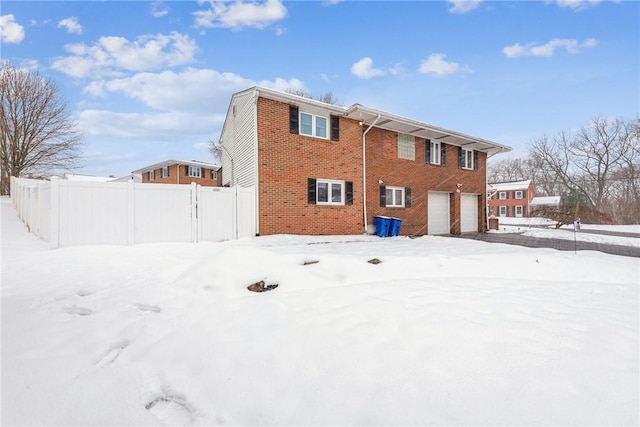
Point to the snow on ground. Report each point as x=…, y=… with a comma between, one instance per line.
x=535, y=227
x=442, y=332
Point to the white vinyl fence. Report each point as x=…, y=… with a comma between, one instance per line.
x=72, y=213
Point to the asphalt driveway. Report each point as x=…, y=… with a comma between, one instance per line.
x=559, y=244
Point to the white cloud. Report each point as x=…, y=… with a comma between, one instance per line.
x=159, y=9
x=546, y=50
x=71, y=24
x=436, y=64
x=364, y=69
x=111, y=55
x=577, y=4
x=463, y=6
x=239, y=14
x=10, y=31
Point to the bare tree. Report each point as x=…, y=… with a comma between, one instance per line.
x=37, y=133
x=587, y=161
x=215, y=148
x=327, y=97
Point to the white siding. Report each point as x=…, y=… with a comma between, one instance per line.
x=239, y=138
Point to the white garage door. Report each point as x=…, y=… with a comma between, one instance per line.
x=469, y=213
x=438, y=213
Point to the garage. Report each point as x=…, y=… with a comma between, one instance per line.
x=469, y=213
x=438, y=218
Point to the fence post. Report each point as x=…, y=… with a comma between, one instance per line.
x=131, y=213
x=194, y=212
x=54, y=229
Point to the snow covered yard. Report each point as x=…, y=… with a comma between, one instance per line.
x=442, y=332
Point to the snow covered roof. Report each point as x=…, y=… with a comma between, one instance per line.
x=195, y=163
x=92, y=178
x=545, y=201
x=514, y=185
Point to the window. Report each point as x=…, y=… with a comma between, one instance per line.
x=214, y=174
x=503, y=211
x=519, y=195
x=194, y=172
x=329, y=192
x=152, y=175
x=519, y=211
x=435, y=153
x=394, y=196
x=406, y=146
x=502, y=195
x=466, y=159
x=313, y=125
x=165, y=172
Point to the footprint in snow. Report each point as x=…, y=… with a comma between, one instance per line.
x=144, y=308
x=82, y=311
x=171, y=410
x=110, y=356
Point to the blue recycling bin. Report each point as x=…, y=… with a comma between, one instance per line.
x=381, y=224
x=394, y=227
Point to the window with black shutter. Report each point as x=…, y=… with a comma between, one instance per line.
x=348, y=193
x=427, y=154
x=443, y=153
x=407, y=197
x=311, y=191
x=383, y=196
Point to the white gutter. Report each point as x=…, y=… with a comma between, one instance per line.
x=364, y=172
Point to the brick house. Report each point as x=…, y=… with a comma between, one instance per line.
x=511, y=199
x=323, y=169
x=181, y=172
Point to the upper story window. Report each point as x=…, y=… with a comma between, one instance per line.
x=395, y=197
x=502, y=195
x=165, y=172
x=466, y=159
x=152, y=175
x=406, y=146
x=434, y=153
x=194, y=172
x=313, y=125
x=519, y=195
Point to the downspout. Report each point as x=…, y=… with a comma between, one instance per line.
x=364, y=173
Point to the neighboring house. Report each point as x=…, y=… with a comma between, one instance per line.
x=323, y=169
x=553, y=202
x=134, y=177
x=87, y=178
x=181, y=172
x=511, y=199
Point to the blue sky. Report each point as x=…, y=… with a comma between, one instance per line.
x=151, y=81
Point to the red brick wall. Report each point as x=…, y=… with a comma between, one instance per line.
x=286, y=161
x=178, y=175
x=383, y=164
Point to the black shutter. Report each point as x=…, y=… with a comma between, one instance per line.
x=460, y=158
x=348, y=191
x=475, y=160
x=311, y=191
x=507, y=193
x=148, y=176
x=383, y=196
x=443, y=153
x=168, y=171
x=293, y=119
x=186, y=170
x=428, y=150
x=407, y=197
x=335, y=128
